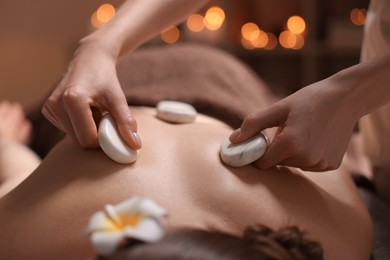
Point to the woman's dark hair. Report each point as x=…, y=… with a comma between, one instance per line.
x=258, y=242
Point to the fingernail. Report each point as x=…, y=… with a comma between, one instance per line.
x=235, y=134
x=137, y=139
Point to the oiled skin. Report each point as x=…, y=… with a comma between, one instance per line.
x=179, y=167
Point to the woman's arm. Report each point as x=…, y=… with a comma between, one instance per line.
x=91, y=82
x=137, y=21
x=316, y=123
x=17, y=161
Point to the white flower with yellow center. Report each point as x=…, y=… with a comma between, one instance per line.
x=138, y=218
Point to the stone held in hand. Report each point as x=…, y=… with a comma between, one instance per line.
x=112, y=144
x=244, y=153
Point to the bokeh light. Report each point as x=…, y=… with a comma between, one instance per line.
x=95, y=22
x=247, y=44
x=102, y=15
x=195, y=23
x=300, y=42
x=214, y=18
x=296, y=24
x=170, y=35
x=105, y=12
x=358, y=16
x=291, y=40
x=287, y=39
x=261, y=41
x=250, y=31
x=272, y=42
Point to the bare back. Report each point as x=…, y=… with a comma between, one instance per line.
x=179, y=167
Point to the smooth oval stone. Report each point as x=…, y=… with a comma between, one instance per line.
x=176, y=112
x=238, y=155
x=112, y=144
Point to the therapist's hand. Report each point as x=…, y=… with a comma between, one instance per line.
x=89, y=87
x=314, y=124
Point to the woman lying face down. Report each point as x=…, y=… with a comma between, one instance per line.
x=46, y=216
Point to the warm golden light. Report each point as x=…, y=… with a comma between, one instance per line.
x=272, y=42
x=102, y=15
x=358, y=16
x=214, y=18
x=287, y=39
x=218, y=10
x=250, y=31
x=95, y=22
x=296, y=24
x=247, y=44
x=105, y=12
x=300, y=42
x=170, y=35
x=261, y=41
x=291, y=40
x=195, y=23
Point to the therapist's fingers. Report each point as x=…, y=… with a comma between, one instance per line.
x=80, y=115
x=325, y=165
x=276, y=152
x=285, y=152
x=125, y=121
x=46, y=111
x=61, y=121
x=256, y=122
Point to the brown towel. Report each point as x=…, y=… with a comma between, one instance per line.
x=216, y=83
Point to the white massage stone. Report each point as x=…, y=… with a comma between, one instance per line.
x=112, y=144
x=237, y=155
x=176, y=112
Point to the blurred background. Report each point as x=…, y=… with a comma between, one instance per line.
x=290, y=43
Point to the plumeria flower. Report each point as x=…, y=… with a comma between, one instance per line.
x=137, y=218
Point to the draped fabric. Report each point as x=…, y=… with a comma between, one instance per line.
x=214, y=82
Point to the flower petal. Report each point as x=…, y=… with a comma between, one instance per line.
x=100, y=221
x=146, y=207
x=148, y=230
x=151, y=208
x=105, y=243
x=138, y=218
x=112, y=214
x=126, y=205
